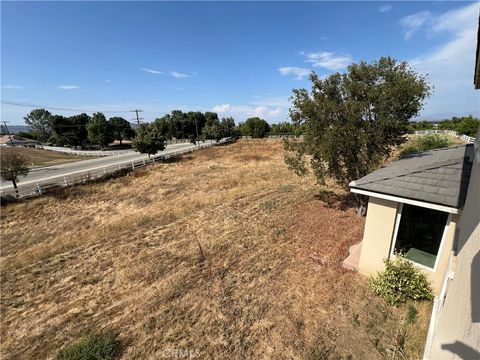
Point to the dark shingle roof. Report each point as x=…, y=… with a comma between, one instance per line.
x=437, y=176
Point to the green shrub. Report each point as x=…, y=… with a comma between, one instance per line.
x=411, y=316
x=401, y=281
x=424, y=143
x=92, y=346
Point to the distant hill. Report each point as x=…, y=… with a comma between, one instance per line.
x=17, y=128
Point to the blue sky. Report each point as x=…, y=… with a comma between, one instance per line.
x=239, y=59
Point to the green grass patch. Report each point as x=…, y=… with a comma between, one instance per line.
x=423, y=143
x=92, y=346
x=286, y=188
x=269, y=205
x=411, y=316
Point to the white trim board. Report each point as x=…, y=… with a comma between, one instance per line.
x=399, y=199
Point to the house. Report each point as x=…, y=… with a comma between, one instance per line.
x=428, y=207
x=414, y=208
x=14, y=140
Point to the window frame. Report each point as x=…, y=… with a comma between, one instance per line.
x=398, y=218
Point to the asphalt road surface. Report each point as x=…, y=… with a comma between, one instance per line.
x=44, y=174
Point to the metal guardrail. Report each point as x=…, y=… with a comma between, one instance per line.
x=43, y=187
x=466, y=138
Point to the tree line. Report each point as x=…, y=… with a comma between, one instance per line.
x=467, y=125
x=84, y=131
x=76, y=131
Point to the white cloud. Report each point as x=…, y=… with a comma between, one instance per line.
x=12, y=87
x=179, y=75
x=151, y=71
x=328, y=60
x=222, y=108
x=298, y=72
x=385, y=8
x=450, y=66
x=68, y=87
x=269, y=113
x=412, y=23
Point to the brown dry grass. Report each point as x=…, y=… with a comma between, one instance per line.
x=39, y=157
x=125, y=256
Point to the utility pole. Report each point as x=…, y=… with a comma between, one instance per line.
x=138, y=118
x=196, y=127
x=8, y=133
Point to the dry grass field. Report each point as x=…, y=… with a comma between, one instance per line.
x=224, y=253
x=39, y=157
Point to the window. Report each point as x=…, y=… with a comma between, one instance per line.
x=419, y=234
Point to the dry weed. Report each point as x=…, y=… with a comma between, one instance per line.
x=124, y=256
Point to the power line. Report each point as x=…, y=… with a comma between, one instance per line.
x=16, y=103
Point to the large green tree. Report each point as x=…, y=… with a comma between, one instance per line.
x=353, y=121
x=70, y=131
x=41, y=121
x=255, y=127
x=121, y=128
x=227, y=126
x=213, y=130
x=100, y=132
x=148, y=139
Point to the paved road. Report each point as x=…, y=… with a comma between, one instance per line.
x=43, y=174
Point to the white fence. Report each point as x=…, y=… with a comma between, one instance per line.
x=43, y=187
x=466, y=138
x=70, y=151
x=67, y=150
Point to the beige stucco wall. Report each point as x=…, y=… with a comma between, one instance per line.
x=457, y=334
x=378, y=236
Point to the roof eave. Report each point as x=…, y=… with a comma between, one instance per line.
x=395, y=198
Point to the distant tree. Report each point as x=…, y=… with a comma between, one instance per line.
x=78, y=134
x=353, y=121
x=13, y=165
x=285, y=128
x=210, y=117
x=33, y=135
x=255, y=127
x=121, y=129
x=62, y=131
x=227, y=126
x=148, y=139
x=100, y=132
x=40, y=120
x=181, y=125
x=165, y=126
x=197, y=121
x=467, y=125
x=420, y=125
x=213, y=130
